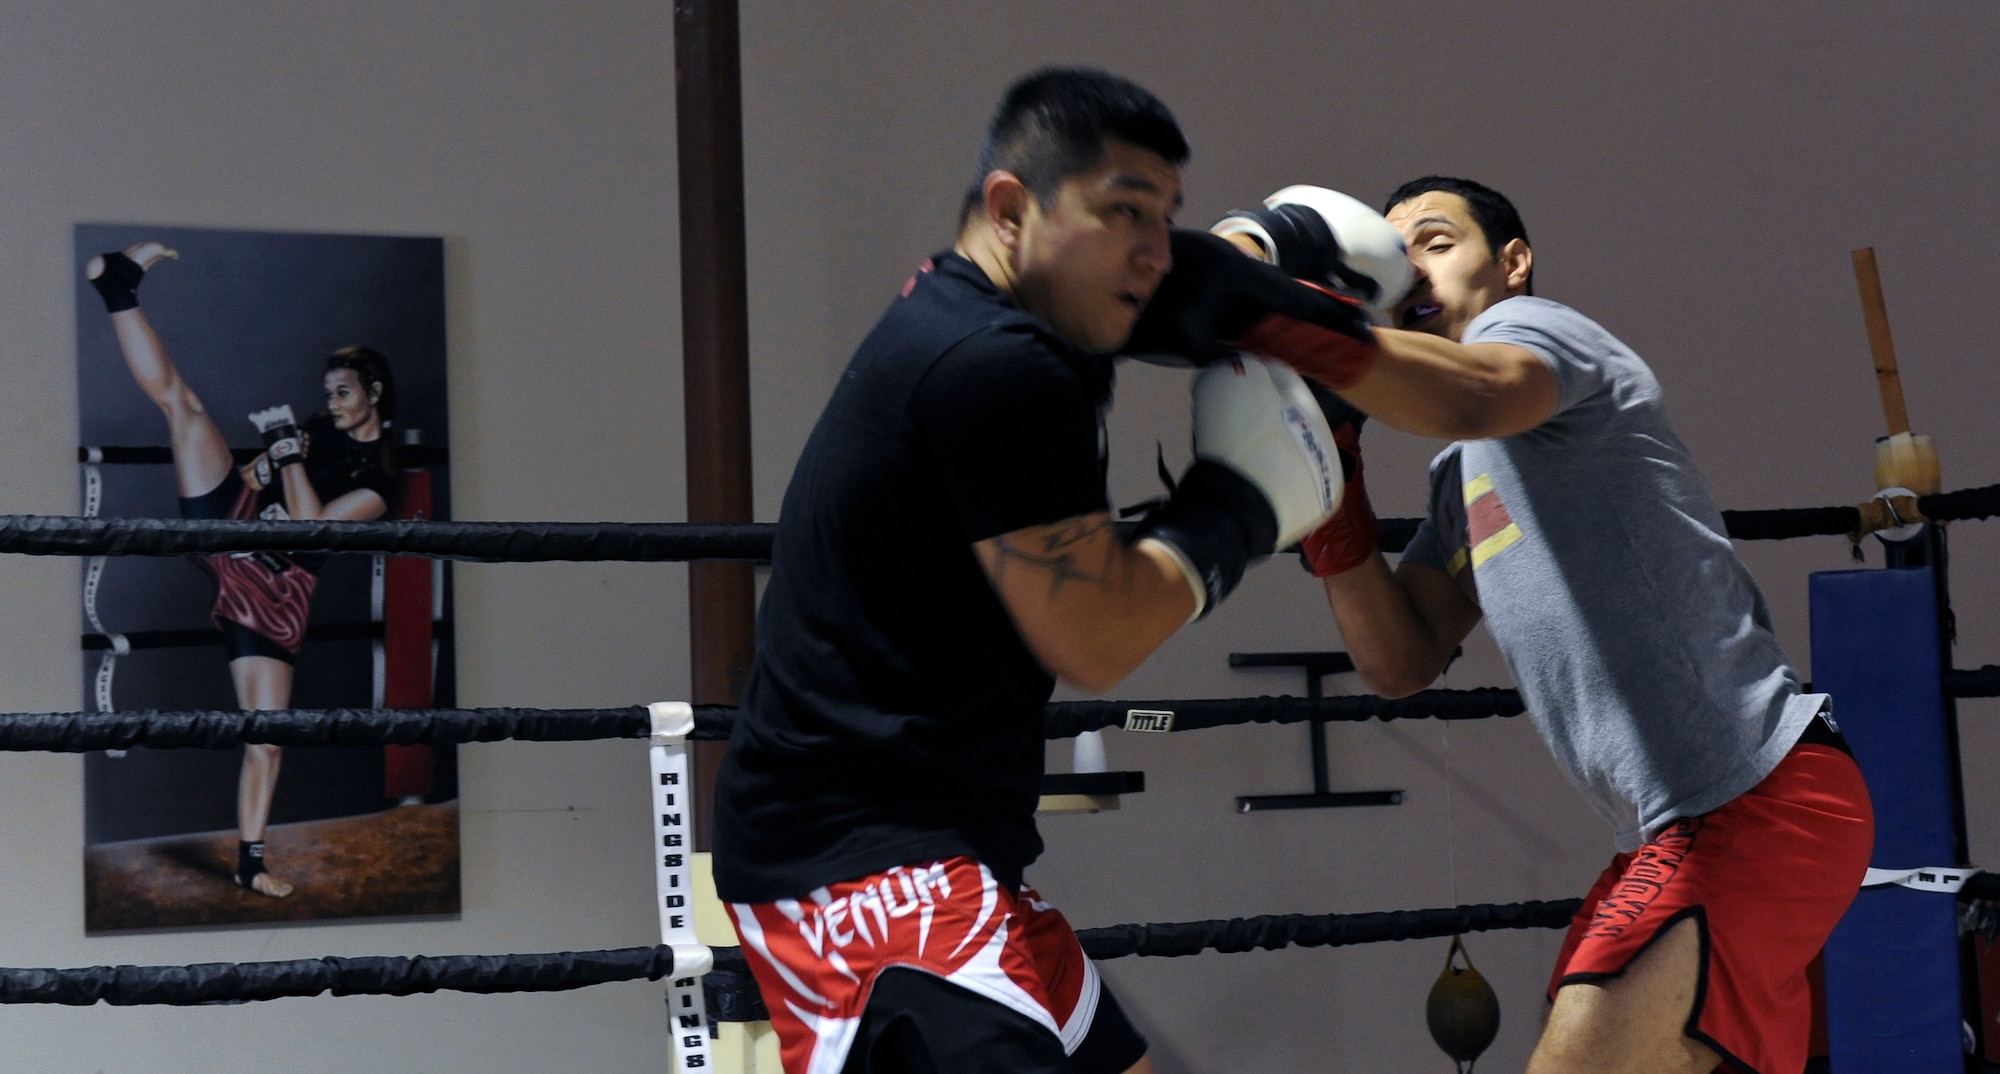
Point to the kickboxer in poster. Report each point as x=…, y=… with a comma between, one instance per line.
x=339, y=463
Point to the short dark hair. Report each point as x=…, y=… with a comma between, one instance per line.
x=1491, y=210
x=1053, y=124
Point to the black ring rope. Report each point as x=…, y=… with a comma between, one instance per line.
x=81, y=732
x=1070, y=718
x=77, y=732
x=1975, y=682
x=478, y=542
x=731, y=990
x=536, y=542
x=214, y=729
x=1272, y=932
x=1964, y=505
x=239, y=982
x=185, y=639
x=408, y=456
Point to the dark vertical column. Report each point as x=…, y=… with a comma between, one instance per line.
x=715, y=355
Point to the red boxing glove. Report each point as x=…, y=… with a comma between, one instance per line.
x=1349, y=538
x=1326, y=338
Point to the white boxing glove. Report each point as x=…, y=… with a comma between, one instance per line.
x=1259, y=419
x=1266, y=472
x=1328, y=238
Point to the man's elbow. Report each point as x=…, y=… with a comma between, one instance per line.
x=1394, y=681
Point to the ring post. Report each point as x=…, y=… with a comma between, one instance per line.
x=673, y=843
x=1893, y=981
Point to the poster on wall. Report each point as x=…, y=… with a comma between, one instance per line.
x=247, y=374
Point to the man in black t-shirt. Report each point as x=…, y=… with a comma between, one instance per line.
x=945, y=553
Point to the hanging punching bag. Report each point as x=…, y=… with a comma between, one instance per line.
x=1463, y=1012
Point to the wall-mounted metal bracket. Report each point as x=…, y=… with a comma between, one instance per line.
x=1317, y=666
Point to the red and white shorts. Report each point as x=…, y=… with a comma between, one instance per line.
x=1766, y=877
x=816, y=958
x=268, y=594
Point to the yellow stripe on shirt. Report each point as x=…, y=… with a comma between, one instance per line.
x=1493, y=545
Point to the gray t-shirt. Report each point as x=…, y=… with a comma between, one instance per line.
x=1641, y=645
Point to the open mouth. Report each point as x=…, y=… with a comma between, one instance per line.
x=1419, y=313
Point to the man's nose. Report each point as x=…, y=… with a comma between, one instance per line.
x=1155, y=251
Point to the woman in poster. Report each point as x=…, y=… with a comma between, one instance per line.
x=338, y=467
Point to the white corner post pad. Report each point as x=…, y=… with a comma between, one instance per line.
x=673, y=847
x=1943, y=879
x=1195, y=584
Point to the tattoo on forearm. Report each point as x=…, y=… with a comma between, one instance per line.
x=1057, y=551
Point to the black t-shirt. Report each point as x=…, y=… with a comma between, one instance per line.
x=336, y=464
x=893, y=713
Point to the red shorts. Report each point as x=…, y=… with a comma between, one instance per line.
x=817, y=958
x=1766, y=877
x=268, y=594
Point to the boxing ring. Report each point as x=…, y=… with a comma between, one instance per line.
x=710, y=983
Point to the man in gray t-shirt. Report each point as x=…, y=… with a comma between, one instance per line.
x=1569, y=516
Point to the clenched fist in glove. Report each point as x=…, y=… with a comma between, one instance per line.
x=1217, y=301
x=1266, y=472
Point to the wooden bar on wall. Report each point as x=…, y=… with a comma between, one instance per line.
x=715, y=355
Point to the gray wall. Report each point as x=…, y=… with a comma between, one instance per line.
x=1694, y=178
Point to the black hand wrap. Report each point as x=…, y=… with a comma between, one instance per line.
x=1215, y=294
x=118, y=284
x=282, y=445
x=1220, y=522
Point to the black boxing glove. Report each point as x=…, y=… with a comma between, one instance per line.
x=1217, y=300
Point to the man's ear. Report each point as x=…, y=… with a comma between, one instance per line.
x=1519, y=262
x=1007, y=203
